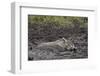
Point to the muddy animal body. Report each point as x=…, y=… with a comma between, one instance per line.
x=63, y=43
x=48, y=50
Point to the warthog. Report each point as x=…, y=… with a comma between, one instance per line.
x=48, y=50
x=63, y=43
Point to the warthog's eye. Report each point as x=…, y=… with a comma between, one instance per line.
x=74, y=49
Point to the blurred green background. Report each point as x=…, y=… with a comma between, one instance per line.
x=58, y=20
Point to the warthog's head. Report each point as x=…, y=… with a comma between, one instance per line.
x=67, y=44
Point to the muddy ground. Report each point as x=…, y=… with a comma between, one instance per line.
x=39, y=33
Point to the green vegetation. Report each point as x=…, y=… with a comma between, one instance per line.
x=58, y=20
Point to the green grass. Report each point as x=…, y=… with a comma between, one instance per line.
x=58, y=20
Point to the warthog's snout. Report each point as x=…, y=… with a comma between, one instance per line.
x=74, y=49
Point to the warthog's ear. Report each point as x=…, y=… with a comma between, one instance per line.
x=64, y=39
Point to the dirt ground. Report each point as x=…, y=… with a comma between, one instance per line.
x=39, y=33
